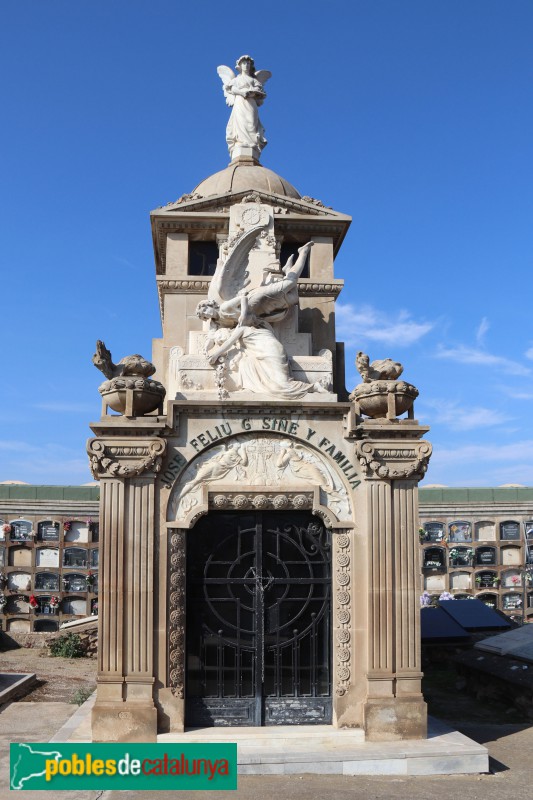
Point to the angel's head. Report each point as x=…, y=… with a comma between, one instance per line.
x=207, y=309
x=246, y=64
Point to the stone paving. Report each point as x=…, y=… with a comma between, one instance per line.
x=509, y=746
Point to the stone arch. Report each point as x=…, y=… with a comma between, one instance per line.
x=262, y=471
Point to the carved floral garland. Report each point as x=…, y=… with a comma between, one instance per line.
x=342, y=613
x=105, y=460
x=372, y=460
x=176, y=632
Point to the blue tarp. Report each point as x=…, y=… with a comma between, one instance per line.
x=474, y=615
x=438, y=626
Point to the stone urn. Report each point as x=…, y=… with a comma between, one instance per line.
x=129, y=389
x=132, y=396
x=384, y=399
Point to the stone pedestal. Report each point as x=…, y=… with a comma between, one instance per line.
x=126, y=458
x=394, y=460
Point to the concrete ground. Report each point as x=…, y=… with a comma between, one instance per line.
x=510, y=746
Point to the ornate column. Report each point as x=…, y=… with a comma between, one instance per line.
x=394, y=460
x=126, y=464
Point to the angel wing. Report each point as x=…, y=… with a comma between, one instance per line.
x=262, y=75
x=226, y=75
x=229, y=277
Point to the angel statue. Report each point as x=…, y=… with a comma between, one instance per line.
x=242, y=320
x=244, y=93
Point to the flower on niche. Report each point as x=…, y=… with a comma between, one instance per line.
x=515, y=579
x=67, y=525
x=33, y=601
x=54, y=601
x=446, y=596
x=6, y=528
x=425, y=599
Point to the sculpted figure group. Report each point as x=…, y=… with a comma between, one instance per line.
x=240, y=322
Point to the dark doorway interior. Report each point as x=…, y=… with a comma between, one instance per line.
x=258, y=620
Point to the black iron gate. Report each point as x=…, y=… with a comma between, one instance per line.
x=258, y=620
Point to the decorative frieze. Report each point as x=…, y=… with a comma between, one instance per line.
x=239, y=501
x=185, y=286
x=308, y=288
x=194, y=285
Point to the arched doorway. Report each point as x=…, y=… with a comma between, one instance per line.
x=258, y=619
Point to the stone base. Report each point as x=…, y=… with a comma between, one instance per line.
x=324, y=750
x=321, y=749
x=394, y=719
x=124, y=722
x=170, y=712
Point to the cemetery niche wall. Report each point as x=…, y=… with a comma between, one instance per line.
x=259, y=556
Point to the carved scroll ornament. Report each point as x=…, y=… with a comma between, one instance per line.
x=112, y=460
x=394, y=462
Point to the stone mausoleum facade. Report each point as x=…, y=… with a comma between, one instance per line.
x=259, y=548
x=474, y=542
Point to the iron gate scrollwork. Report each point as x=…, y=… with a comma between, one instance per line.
x=258, y=620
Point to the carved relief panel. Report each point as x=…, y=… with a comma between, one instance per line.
x=278, y=471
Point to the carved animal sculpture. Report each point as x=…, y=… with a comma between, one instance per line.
x=133, y=366
x=381, y=370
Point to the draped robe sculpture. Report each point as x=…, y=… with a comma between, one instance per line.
x=241, y=322
x=244, y=93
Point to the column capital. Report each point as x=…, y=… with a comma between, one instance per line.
x=394, y=459
x=125, y=457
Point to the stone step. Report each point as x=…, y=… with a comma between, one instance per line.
x=322, y=749
x=274, y=739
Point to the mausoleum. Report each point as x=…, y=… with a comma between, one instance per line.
x=259, y=547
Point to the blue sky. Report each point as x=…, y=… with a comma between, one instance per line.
x=414, y=117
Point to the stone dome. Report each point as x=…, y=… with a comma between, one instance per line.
x=245, y=174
